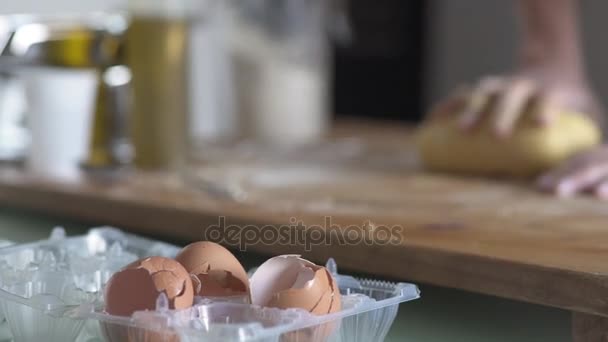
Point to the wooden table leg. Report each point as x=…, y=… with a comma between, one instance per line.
x=589, y=328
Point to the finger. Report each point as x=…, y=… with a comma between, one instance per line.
x=511, y=105
x=601, y=190
x=581, y=180
x=575, y=165
x=547, y=110
x=550, y=180
x=478, y=101
x=452, y=105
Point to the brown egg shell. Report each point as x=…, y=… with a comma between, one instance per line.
x=113, y=332
x=308, y=297
x=327, y=302
x=275, y=275
x=324, y=331
x=220, y=284
x=122, y=298
x=336, y=299
x=324, y=304
x=137, y=287
x=217, y=265
x=142, y=335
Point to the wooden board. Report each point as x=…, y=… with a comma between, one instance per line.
x=589, y=328
x=492, y=237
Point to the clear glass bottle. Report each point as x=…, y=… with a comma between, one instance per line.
x=157, y=54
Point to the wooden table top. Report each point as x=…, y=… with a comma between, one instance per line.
x=488, y=236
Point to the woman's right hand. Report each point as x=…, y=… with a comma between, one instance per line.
x=504, y=100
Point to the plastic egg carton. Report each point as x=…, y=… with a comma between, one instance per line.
x=52, y=291
x=3, y=244
x=46, y=287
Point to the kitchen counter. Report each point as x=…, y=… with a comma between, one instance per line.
x=490, y=237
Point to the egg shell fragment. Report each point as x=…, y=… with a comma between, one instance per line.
x=307, y=297
x=289, y=281
x=216, y=271
x=138, y=286
x=122, y=286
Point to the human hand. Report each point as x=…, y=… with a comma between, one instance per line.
x=545, y=90
x=586, y=172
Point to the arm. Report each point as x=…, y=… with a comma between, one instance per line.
x=550, y=74
x=551, y=35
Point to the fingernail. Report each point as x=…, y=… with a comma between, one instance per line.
x=566, y=189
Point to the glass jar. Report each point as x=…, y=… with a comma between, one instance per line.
x=268, y=84
x=280, y=59
x=157, y=54
x=274, y=87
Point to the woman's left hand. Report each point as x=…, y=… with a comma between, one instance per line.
x=586, y=172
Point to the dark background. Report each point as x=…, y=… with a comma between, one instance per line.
x=380, y=73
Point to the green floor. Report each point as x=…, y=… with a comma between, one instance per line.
x=442, y=315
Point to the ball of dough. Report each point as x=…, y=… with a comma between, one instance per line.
x=530, y=150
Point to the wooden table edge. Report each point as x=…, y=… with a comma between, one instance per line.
x=522, y=282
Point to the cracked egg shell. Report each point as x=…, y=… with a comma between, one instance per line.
x=289, y=281
x=138, y=286
x=216, y=272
